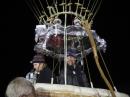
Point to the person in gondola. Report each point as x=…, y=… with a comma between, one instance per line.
x=41, y=73
x=75, y=74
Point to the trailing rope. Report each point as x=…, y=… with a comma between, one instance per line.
x=87, y=27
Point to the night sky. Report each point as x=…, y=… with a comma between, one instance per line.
x=17, y=41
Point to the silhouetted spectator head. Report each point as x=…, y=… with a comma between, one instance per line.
x=20, y=87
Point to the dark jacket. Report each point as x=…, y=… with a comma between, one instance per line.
x=75, y=76
x=44, y=76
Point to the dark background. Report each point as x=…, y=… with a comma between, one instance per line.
x=17, y=41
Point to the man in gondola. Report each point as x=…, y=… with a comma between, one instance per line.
x=41, y=72
x=75, y=74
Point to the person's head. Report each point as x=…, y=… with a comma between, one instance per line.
x=71, y=57
x=38, y=62
x=71, y=60
x=20, y=87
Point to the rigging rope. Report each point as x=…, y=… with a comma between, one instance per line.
x=94, y=14
x=32, y=8
x=43, y=9
x=88, y=4
x=107, y=69
x=41, y=5
x=88, y=70
x=92, y=42
x=93, y=6
x=37, y=7
x=47, y=3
